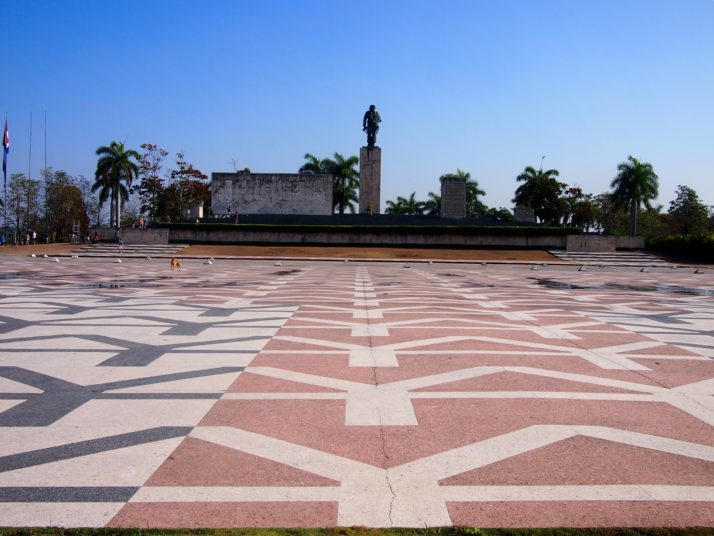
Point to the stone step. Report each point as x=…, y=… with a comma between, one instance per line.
x=128, y=250
x=618, y=258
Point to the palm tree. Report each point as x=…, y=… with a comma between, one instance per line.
x=346, y=181
x=541, y=191
x=104, y=187
x=314, y=165
x=115, y=165
x=432, y=206
x=636, y=184
x=403, y=205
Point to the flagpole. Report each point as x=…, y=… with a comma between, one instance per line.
x=29, y=157
x=45, y=141
x=4, y=170
x=47, y=227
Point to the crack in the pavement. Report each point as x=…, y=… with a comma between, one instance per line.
x=375, y=382
x=386, y=470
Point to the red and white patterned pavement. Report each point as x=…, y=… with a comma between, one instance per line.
x=316, y=394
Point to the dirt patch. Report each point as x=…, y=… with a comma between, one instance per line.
x=369, y=253
x=39, y=249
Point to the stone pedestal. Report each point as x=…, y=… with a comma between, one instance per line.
x=453, y=197
x=370, y=177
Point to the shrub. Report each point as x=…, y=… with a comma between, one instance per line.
x=699, y=247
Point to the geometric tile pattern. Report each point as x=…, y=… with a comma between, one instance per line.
x=254, y=393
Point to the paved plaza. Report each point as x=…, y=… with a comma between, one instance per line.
x=265, y=393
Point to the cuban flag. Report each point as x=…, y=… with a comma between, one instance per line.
x=5, y=150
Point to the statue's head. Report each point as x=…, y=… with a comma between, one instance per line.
x=372, y=107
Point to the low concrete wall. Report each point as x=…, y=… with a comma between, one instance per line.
x=364, y=238
x=599, y=243
x=629, y=242
x=134, y=236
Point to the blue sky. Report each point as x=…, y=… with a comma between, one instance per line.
x=485, y=86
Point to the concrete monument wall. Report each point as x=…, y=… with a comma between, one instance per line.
x=271, y=193
x=370, y=177
x=453, y=197
x=524, y=215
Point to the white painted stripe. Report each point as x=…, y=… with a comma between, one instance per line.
x=636, y=439
x=305, y=458
x=301, y=377
x=481, y=453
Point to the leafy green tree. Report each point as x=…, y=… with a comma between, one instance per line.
x=408, y=206
x=571, y=198
x=584, y=213
x=186, y=190
x=499, y=214
x=23, y=202
x=89, y=201
x=116, y=170
x=152, y=184
x=689, y=214
x=346, y=182
x=542, y=192
x=636, y=184
x=580, y=208
x=609, y=216
x=653, y=224
x=65, y=206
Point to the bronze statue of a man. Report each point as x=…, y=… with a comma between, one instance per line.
x=370, y=124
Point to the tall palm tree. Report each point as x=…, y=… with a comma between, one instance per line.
x=115, y=165
x=635, y=185
x=314, y=165
x=346, y=182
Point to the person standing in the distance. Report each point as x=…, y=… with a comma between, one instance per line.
x=370, y=125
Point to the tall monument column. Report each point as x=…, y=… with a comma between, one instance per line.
x=370, y=176
x=370, y=164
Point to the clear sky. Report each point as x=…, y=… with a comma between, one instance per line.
x=488, y=86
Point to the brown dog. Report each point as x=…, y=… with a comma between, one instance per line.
x=175, y=264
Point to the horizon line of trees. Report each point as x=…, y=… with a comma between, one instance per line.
x=619, y=211
x=135, y=184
